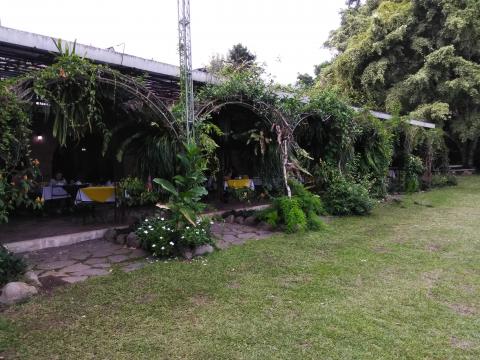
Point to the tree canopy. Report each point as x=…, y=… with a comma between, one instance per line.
x=413, y=57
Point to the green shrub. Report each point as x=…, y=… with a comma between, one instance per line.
x=413, y=169
x=345, y=197
x=443, y=180
x=291, y=214
x=11, y=266
x=131, y=191
x=309, y=202
x=270, y=216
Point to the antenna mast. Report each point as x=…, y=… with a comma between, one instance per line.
x=185, y=52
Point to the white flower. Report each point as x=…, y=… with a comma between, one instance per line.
x=188, y=227
x=163, y=247
x=154, y=245
x=146, y=220
x=183, y=237
x=161, y=237
x=211, y=222
x=162, y=219
x=146, y=232
x=171, y=243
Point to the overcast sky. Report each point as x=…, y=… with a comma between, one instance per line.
x=286, y=35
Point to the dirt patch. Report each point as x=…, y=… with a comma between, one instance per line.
x=146, y=299
x=430, y=278
x=293, y=281
x=460, y=343
x=434, y=247
x=463, y=309
x=233, y=285
x=381, y=250
x=200, y=300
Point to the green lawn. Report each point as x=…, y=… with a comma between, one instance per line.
x=403, y=283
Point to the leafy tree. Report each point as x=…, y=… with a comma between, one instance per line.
x=239, y=56
x=417, y=57
x=304, y=80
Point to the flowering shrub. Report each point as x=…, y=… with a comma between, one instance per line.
x=192, y=236
x=163, y=239
x=157, y=235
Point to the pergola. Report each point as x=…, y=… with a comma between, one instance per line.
x=22, y=52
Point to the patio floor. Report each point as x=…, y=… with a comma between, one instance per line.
x=22, y=228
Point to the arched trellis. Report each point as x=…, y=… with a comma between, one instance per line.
x=276, y=119
x=24, y=88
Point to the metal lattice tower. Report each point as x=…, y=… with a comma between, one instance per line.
x=185, y=51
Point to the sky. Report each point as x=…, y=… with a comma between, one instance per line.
x=287, y=36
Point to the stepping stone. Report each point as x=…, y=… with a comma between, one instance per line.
x=74, y=279
x=91, y=272
x=80, y=256
x=75, y=268
x=53, y=273
x=137, y=253
x=121, y=250
x=247, y=235
x=55, y=264
x=117, y=258
x=133, y=266
x=230, y=238
x=101, y=253
x=94, y=261
x=101, y=266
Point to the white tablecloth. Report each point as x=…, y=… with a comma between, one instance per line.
x=54, y=192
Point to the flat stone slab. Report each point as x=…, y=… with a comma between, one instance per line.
x=74, y=279
x=80, y=256
x=247, y=235
x=94, y=261
x=101, y=266
x=75, y=268
x=117, y=258
x=55, y=264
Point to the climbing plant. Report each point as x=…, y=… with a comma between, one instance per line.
x=17, y=170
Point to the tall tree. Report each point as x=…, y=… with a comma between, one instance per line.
x=419, y=57
x=240, y=56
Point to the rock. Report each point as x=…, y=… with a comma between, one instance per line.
x=32, y=279
x=230, y=219
x=110, y=235
x=16, y=292
x=251, y=220
x=240, y=220
x=202, y=250
x=186, y=253
x=133, y=240
x=121, y=239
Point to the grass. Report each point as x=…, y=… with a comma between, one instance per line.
x=402, y=283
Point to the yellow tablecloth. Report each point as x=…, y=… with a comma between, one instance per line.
x=99, y=193
x=239, y=184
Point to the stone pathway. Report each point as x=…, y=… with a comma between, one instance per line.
x=229, y=234
x=78, y=262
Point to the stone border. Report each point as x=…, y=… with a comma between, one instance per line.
x=56, y=241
